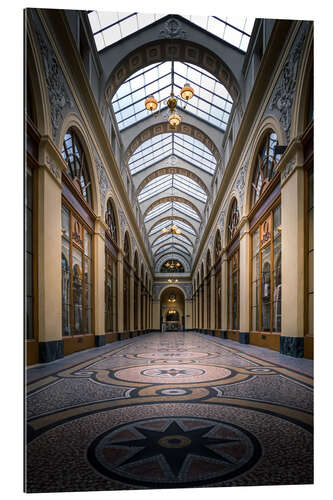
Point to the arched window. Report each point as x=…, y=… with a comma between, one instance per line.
x=110, y=220
x=77, y=169
x=233, y=220
x=265, y=168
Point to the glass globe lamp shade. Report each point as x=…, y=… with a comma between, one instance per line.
x=187, y=92
x=164, y=230
x=174, y=120
x=151, y=103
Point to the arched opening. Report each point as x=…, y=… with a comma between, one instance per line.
x=172, y=309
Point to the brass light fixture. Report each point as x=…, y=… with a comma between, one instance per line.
x=173, y=230
x=186, y=93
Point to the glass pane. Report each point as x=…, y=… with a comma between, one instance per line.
x=77, y=289
x=65, y=277
x=87, y=243
x=65, y=221
x=255, y=242
x=266, y=290
x=277, y=221
x=277, y=290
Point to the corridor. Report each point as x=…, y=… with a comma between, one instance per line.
x=169, y=410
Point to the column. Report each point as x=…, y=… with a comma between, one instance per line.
x=99, y=283
x=224, y=295
x=205, y=315
x=51, y=345
x=131, y=292
x=244, y=285
x=188, y=314
x=212, y=325
x=292, y=240
x=156, y=314
x=139, y=305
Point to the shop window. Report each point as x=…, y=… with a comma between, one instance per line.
x=76, y=263
x=110, y=292
x=233, y=289
x=265, y=168
x=77, y=169
x=266, y=287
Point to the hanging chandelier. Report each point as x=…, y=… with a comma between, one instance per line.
x=172, y=264
x=172, y=280
x=186, y=93
x=173, y=229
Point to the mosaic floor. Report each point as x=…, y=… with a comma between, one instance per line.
x=169, y=410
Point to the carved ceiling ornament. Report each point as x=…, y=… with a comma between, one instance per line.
x=283, y=94
x=58, y=93
x=172, y=29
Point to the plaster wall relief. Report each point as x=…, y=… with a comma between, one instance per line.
x=287, y=171
x=53, y=167
x=282, y=98
x=103, y=181
x=173, y=29
x=239, y=184
x=60, y=98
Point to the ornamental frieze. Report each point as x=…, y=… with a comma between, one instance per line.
x=289, y=168
x=283, y=95
x=103, y=181
x=59, y=95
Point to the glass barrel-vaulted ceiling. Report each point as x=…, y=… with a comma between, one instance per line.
x=171, y=196
x=163, y=146
x=211, y=101
x=110, y=27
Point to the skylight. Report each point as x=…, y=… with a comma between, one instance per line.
x=176, y=206
x=167, y=181
x=110, y=27
x=211, y=101
x=161, y=146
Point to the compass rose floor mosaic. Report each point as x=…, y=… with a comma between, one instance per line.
x=169, y=410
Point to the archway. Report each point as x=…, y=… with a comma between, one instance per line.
x=172, y=309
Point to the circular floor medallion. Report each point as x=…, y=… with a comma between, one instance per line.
x=188, y=374
x=174, y=452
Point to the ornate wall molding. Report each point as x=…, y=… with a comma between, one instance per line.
x=282, y=98
x=172, y=29
x=122, y=218
x=289, y=168
x=103, y=181
x=59, y=95
x=53, y=167
x=239, y=184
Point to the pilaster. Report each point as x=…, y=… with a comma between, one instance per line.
x=120, y=284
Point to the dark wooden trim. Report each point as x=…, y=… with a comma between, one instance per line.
x=77, y=202
x=260, y=209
